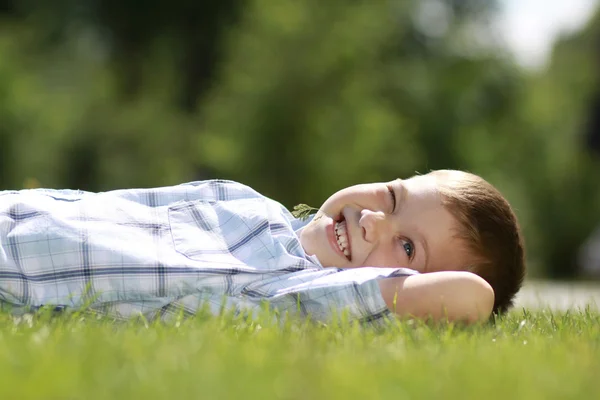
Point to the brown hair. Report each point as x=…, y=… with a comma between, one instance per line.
x=490, y=230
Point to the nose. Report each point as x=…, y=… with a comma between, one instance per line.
x=373, y=225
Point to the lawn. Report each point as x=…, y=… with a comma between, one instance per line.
x=530, y=355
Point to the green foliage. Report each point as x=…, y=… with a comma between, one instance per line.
x=533, y=355
x=298, y=100
x=303, y=211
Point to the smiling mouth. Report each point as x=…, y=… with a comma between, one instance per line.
x=343, y=238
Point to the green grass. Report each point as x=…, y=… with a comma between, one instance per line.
x=537, y=355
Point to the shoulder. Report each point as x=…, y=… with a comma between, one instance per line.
x=218, y=190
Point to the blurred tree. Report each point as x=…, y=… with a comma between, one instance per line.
x=592, y=132
x=297, y=99
x=349, y=92
x=194, y=29
x=563, y=181
x=7, y=7
x=131, y=31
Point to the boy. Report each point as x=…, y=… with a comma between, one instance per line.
x=221, y=244
x=451, y=224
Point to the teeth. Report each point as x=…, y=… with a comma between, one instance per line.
x=342, y=237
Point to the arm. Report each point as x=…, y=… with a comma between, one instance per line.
x=455, y=295
x=321, y=293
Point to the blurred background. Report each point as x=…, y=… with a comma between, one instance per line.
x=301, y=98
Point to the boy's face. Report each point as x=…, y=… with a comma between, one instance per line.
x=363, y=226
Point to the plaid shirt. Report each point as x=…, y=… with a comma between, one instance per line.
x=161, y=251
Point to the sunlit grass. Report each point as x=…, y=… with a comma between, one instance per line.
x=528, y=355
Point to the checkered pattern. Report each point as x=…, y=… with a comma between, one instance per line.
x=161, y=251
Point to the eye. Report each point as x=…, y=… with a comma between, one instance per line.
x=393, y=195
x=409, y=248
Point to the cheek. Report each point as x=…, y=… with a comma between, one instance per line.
x=383, y=257
x=309, y=239
x=313, y=238
x=361, y=196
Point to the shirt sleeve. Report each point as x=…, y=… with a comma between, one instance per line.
x=320, y=295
